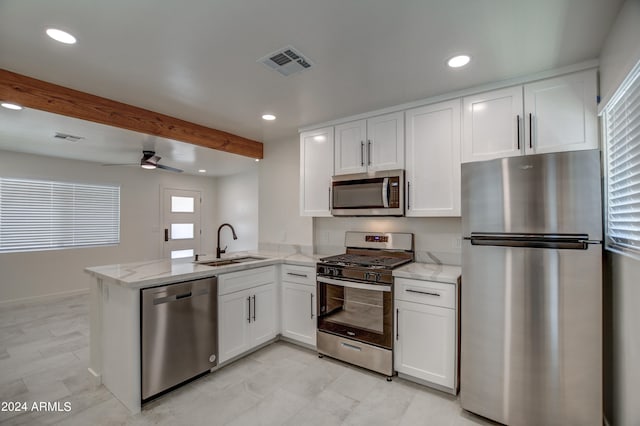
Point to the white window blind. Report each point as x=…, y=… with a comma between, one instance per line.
x=44, y=215
x=622, y=133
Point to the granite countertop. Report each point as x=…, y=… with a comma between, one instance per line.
x=164, y=271
x=429, y=271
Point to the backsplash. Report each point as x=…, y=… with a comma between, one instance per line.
x=437, y=240
x=285, y=249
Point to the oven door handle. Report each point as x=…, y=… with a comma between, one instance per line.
x=353, y=284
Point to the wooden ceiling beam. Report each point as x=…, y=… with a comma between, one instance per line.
x=37, y=94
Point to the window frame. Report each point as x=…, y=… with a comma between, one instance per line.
x=632, y=80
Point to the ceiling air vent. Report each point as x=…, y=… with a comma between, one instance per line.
x=67, y=137
x=286, y=61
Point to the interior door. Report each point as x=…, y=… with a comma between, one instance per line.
x=181, y=213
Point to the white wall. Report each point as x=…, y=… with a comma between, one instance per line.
x=620, y=53
x=237, y=204
x=34, y=274
x=621, y=49
x=437, y=240
x=280, y=220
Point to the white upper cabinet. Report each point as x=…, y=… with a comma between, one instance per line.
x=560, y=113
x=370, y=145
x=316, y=169
x=492, y=125
x=433, y=160
x=552, y=115
x=350, y=147
x=385, y=142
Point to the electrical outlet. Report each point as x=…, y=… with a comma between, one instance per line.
x=457, y=242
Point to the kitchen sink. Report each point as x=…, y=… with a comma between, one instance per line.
x=223, y=262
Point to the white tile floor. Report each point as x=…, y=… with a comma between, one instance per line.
x=44, y=356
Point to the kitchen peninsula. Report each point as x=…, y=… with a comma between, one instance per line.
x=115, y=312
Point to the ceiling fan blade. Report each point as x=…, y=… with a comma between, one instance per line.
x=147, y=155
x=121, y=164
x=171, y=169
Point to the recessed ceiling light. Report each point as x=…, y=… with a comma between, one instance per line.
x=202, y=171
x=9, y=105
x=257, y=159
x=61, y=36
x=269, y=117
x=458, y=61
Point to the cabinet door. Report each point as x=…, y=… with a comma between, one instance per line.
x=316, y=169
x=560, y=113
x=425, y=342
x=299, y=312
x=350, y=148
x=233, y=324
x=384, y=149
x=263, y=314
x=492, y=125
x=433, y=160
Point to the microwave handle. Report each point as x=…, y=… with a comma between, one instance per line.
x=385, y=192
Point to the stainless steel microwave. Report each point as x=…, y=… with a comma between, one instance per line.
x=368, y=194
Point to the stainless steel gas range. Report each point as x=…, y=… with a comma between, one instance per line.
x=355, y=299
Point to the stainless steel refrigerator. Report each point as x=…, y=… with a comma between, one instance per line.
x=531, y=326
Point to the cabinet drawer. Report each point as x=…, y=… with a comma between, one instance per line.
x=242, y=280
x=426, y=292
x=299, y=274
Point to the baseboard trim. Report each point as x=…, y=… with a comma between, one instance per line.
x=43, y=298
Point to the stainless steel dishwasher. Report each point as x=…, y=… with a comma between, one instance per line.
x=179, y=333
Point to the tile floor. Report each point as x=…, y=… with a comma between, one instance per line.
x=44, y=357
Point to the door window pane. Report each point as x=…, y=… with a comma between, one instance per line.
x=179, y=254
x=182, y=204
x=181, y=231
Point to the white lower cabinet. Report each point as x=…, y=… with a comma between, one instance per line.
x=247, y=306
x=299, y=304
x=426, y=332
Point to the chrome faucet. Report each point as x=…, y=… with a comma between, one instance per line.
x=224, y=250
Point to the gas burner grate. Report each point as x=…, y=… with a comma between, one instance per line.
x=377, y=262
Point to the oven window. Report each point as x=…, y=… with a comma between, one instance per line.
x=364, y=315
x=353, y=307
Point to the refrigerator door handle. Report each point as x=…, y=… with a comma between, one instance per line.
x=571, y=242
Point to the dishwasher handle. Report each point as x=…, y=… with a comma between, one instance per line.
x=164, y=298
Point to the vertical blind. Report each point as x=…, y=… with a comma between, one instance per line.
x=622, y=134
x=44, y=215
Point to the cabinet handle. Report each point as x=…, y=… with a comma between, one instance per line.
x=518, y=127
x=362, y=153
x=530, y=131
x=369, y=152
x=166, y=234
x=311, y=305
x=408, y=195
x=429, y=293
x=254, y=308
x=329, y=198
x=397, y=323
x=249, y=303
x=297, y=275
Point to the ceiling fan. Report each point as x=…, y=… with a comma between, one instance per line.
x=149, y=160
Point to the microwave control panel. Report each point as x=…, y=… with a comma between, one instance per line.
x=394, y=192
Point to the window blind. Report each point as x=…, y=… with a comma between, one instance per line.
x=44, y=215
x=622, y=134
